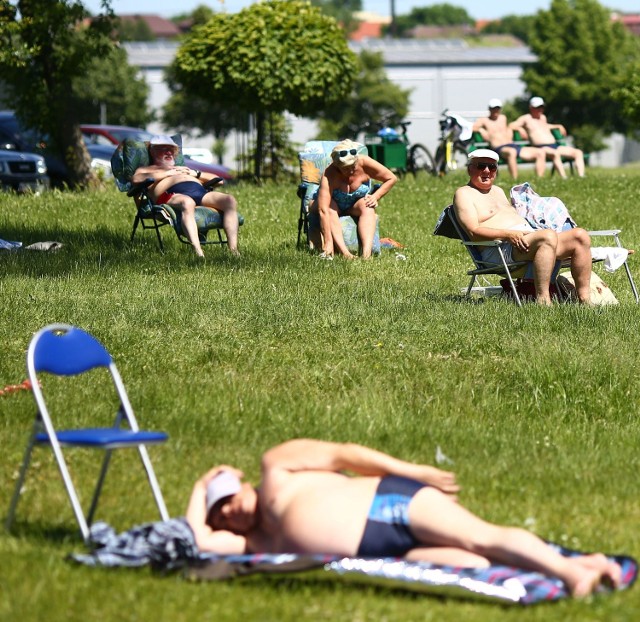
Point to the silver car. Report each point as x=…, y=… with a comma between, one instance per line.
x=22, y=172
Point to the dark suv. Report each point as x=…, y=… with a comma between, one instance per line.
x=15, y=138
x=22, y=172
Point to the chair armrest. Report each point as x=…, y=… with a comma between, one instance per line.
x=212, y=183
x=487, y=243
x=138, y=188
x=605, y=232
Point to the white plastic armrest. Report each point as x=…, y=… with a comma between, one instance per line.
x=610, y=232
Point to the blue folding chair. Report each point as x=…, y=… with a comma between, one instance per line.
x=65, y=350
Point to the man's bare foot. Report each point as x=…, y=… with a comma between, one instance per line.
x=590, y=571
x=544, y=302
x=235, y=252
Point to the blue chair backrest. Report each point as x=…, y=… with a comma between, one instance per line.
x=67, y=351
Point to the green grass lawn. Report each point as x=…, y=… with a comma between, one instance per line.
x=537, y=407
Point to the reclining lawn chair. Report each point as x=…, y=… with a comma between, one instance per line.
x=63, y=350
x=314, y=158
x=448, y=226
x=132, y=154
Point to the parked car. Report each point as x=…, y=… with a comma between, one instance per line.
x=14, y=137
x=115, y=134
x=22, y=172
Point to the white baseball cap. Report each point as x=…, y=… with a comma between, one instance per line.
x=224, y=484
x=536, y=102
x=163, y=139
x=495, y=103
x=490, y=154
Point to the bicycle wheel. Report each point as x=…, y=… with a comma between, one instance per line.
x=440, y=165
x=457, y=161
x=458, y=158
x=420, y=160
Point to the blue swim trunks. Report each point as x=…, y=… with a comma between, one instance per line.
x=346, y=200
x=191, y=188
x=552, y=145
x=516, y=147
x=387, y=533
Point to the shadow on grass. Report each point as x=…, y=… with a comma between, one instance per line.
x=39, y=530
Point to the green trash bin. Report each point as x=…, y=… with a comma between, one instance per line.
x=392, y=154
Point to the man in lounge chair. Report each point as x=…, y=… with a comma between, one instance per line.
x=183, y=189
x=306, y=504
x=496, y=131
x=486, y=214
x=535, y=127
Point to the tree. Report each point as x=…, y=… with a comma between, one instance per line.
x=44, y=46
x=112, y=82
x=434, y=15
x=200, y=15
x=373, y=98
x=517, y=25
x=629, y=95
x=582, y=57
x=341, y=10
x=133, y=29
x=273, y=56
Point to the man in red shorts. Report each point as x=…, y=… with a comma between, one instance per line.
x=182, y=188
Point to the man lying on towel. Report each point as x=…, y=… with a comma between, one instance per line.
x=305, y=504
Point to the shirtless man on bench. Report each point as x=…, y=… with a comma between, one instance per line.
x=537, y=129
x=306, y=504
x=486, y=214
x=496, y=131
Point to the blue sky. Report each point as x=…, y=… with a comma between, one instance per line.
x=477, y=9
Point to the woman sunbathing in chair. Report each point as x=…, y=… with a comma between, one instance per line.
x=346, y=190
x=183, y=189
x=306, y=504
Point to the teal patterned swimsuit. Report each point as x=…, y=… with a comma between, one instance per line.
x=346, y=200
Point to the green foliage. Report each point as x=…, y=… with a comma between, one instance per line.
x=44, y=47
x=628, y=94
x=341, y=10
x=187, y=112
x=535, y=406
x=519, y=26
x=374, y=97
x=444, y=14
x=200, y=15
x=133, y=28
x=271, y=57
x=111, y=81
x=582, y=57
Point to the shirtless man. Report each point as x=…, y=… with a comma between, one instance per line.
x=306, y=504
x=537, y=129
x=182, y=188
x=495, y=130
x=486, y=214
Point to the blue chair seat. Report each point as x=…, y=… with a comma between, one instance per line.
x=107, y=438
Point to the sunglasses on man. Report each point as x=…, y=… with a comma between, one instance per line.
x=480, y=166
x=346, y=152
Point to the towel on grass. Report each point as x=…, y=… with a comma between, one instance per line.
x=170, y=545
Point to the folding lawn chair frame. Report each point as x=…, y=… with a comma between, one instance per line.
x=64, y=350
x=132, y=154
x=448, y=226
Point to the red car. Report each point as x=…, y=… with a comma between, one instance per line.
x=115, y=134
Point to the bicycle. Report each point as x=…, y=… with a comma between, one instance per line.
x=414, y=157
x=451, y=153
